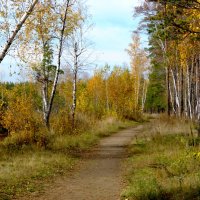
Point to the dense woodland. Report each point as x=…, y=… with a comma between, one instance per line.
x=66, y=103
x=63, y=93
x=50, y=40
x=173, y=29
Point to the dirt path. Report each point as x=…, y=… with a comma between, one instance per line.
x=100, y=174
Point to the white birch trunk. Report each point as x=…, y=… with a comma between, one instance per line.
x=45, y=102
x=185, y=101
x=61, y=41
x=197, y=90
x=188, y=93
x=107, y=99
x=17, y=29
x=175, y=90
x=144, y=95
x=75, y=71
x=74, y=99
x=171, y=98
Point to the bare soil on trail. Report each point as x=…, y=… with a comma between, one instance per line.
x=100, y=174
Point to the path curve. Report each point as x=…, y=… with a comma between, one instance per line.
x=100, y=176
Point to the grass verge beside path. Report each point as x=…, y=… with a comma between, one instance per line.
x=25, y=170
x=164, y=166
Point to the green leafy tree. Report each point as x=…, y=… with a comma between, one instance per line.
x=156, y=91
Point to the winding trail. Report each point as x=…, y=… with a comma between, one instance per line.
x=100, y=176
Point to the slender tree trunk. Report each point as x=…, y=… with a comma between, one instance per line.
x=192, y=87
x=176, y=98
x=45, y=104
x=198, y=94
x=196, y=88
x=74, y=84
x=178, y=80
x=61, y=41
x=182, y=92
x=74, y=99
x=144, y=94
x=185, y=100
x=171, y=100
x=189, y=94
x=107, y=99
x=17, y=29
x=168, y=92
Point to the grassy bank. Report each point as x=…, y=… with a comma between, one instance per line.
x=164, y=163
x=25, y=169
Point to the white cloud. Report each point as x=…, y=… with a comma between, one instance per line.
x=112, y=57
x=113, y=24
x=105, y=8
x=112, y=37
x=113, y=27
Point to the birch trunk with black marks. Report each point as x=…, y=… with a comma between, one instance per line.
x=48, y=108
x=182, y=92
x=188, y=93
x=45, y=104
x=172, y=106
x=144, y=94
x=17, y=29
x=198, y=91
x=176, y=97
x=78, y=56
x=75, y=72
x=169, y=94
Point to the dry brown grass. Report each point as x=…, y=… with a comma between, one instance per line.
x=162, y=124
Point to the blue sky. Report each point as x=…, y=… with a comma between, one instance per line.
x=111, y=34
x=113, y=26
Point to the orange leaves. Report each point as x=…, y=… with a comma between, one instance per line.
x=19, y=115
x=120, y=88
x=108, y=93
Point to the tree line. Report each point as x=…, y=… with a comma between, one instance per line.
x=49, y=39
x=173, y=29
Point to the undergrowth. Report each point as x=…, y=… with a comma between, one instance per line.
x=164, y=163
x=25, y=166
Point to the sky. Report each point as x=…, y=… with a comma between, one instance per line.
x=113, y=26
x=111, y=33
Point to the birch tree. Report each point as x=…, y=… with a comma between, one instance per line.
x=11, y=35
x=47, y=34
x=79, y=54
x=139, y=66
x=173, y=28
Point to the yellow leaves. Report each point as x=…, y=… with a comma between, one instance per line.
x=45, y=24
x=42, y=22
x=107, y=94
x=120, y=90
x=73, y=21
x=82, y=103
x=139, y=64
x=137, y=55
x=186, y=51
x=196, y=155
x=19, y=115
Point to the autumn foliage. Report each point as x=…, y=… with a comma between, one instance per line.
x=51, y=45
